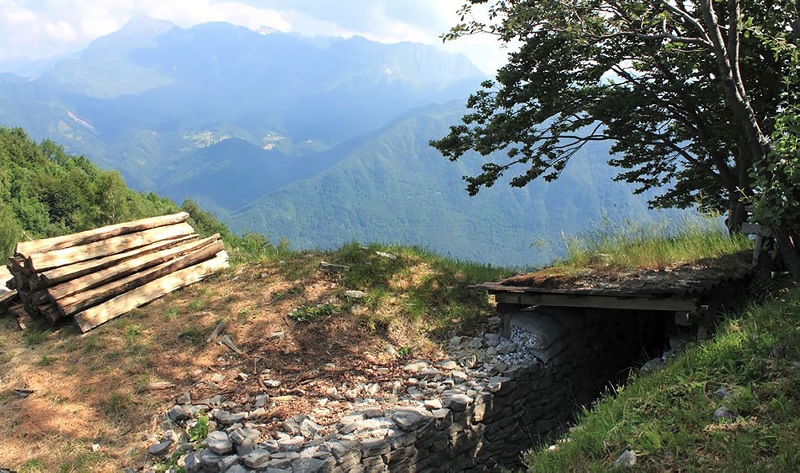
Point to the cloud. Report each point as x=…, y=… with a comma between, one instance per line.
x=43, y=28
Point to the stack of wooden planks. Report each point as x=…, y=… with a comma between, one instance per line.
x=97, y=275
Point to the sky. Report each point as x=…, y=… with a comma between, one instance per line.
x=39, y=29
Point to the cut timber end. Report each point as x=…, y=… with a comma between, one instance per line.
x=75, y=254
x=90, y=236
x=99, y=314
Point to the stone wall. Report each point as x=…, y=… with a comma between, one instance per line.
x=477, y=411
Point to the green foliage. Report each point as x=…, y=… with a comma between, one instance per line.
x=45, y=192
x=776, y=199
x=204, y=222
x=255, y=247
x=46, y=360
x=312, y=313
x=118, y=403
x=32, y=465
x=776, y=178
x=403, y=352
x=645, y=76
x=170, y=464
x=666, y=417
x=199, y=431
x=367, y=268
x=10, y=229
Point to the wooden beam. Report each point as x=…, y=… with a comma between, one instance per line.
x=83, y=300
x=5, y=275
x=102, y=248
x=64, y=273
x=126, y=268
x=141, y=295
x=7, y=298
x=50, y=312
x=56, y=243
x=673, y=303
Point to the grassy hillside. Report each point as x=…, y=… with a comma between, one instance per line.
x=751, y=368
x=96, y=398
x=730, y=403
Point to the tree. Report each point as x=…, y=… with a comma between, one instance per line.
x=687, y=93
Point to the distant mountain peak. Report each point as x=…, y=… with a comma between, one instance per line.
x=145, y=24
x=265, y=30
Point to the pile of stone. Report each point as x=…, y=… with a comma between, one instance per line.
x=474, y=410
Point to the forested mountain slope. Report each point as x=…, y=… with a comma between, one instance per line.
x=393, y=187
x=46, y=192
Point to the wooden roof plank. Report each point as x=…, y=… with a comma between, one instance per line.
x=673, y=304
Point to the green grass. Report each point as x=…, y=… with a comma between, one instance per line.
x=429, y=290
x=666, y=418
x=630, y=245
x=308, y=313
x=254, y=247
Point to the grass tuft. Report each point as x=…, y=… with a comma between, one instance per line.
x=630, y=245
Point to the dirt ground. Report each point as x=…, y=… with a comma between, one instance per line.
x=94, y=398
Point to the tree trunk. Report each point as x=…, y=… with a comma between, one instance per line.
x=787, y=246
x=737, y=215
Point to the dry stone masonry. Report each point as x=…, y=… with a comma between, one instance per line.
x=476, y=411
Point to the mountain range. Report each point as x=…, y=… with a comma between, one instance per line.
x=320, y=140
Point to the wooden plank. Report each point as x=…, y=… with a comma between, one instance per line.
x=98, y=249
x=64, y=273
x=50, y=312
x=7, y=299
x=126, y=268
x=24, y=319
x=141, y=295
x=89, y=236
x=83, y=300
x=5, y=275
x=673, y=304
x=685, y=288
